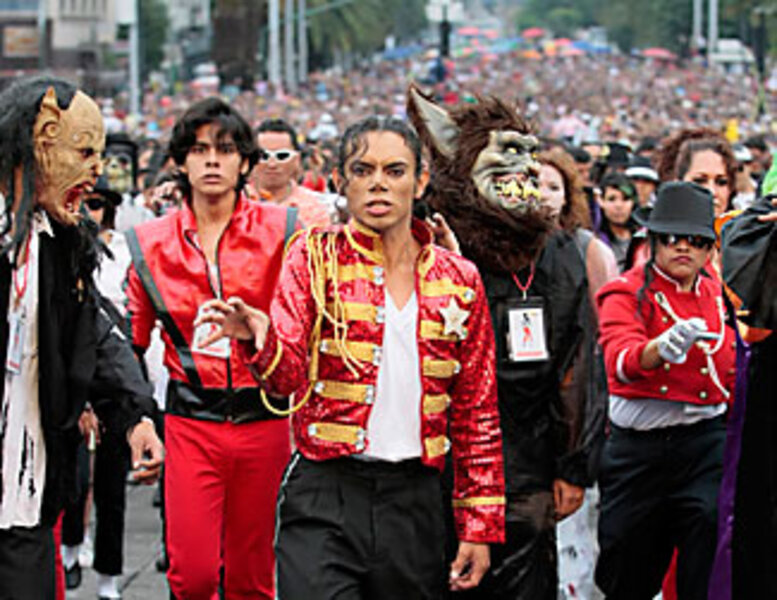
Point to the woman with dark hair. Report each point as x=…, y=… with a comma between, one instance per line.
x=670, y=366
x=618, y=199
x=562, y=191
x=704, y=157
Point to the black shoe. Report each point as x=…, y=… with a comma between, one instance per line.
x=106, y=598
x=73, y=576
x=162, y=563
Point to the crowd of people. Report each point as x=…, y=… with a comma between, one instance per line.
x=396, y=342
x=593, y=97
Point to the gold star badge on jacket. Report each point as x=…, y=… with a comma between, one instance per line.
x=454, y=317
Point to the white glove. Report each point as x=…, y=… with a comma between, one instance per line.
x=674, y=343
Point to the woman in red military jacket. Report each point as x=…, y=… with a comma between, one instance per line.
x=670, y=360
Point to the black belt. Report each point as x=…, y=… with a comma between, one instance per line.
x=376, y=468
x=239, y=405
x=712, y=423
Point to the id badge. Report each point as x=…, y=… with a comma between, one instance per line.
x=218, y=349
x=526, y=335
x=16, y=334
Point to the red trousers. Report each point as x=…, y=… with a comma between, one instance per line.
x=221, y=484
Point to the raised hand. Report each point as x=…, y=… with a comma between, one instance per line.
x=234, y=319
x=675, y=342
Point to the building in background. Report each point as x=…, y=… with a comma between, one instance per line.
x=19, y=37
x=75, y=34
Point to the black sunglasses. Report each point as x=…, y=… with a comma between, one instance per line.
x=697, y=241
x=95, y=203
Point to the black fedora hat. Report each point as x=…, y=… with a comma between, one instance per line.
x=681, y=208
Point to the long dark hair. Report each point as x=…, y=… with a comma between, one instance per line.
x=622, y=183
x=19, y=108
x=647, y=275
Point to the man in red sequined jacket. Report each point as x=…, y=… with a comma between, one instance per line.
x=386, y=340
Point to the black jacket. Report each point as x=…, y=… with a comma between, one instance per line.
x=82, y=355
x=544, y=429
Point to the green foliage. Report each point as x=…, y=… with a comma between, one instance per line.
x=359, y=27
x=640, y=23
x=152, y=31
x=564, y=21
x=560, y=16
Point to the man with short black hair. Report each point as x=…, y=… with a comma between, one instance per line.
x=226, y=450
x=279, y=168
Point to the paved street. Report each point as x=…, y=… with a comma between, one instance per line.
x=141, y=580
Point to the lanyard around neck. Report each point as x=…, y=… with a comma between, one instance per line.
x=524, y=287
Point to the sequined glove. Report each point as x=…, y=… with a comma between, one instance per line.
x=675, y=342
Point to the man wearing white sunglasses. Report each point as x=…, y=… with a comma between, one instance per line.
x=277, y=172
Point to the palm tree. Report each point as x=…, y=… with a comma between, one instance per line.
x=236, y=26
x=359, y=27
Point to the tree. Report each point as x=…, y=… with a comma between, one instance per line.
x=236, y=29
x=562, y=17
x=359, y=27
x=564, y=21
x=152, y=34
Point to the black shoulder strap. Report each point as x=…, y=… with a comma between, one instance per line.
x=291, y=224
x=183, y=349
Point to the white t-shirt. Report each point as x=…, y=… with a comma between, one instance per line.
x=21, y=434
x=394, y=426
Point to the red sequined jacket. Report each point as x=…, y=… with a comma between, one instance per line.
x=457, y=375
x=625, y=331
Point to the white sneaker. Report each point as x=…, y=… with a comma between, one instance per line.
x=86, y=553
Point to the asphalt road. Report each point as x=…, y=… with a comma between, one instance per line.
x=141, y=581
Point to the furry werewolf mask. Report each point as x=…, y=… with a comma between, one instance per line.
x=484, y=179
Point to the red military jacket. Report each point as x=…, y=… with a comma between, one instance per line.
x=457, y=375
x=177, y=282
x=625, y=330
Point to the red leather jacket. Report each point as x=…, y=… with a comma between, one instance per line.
x=457, y=375
x=625, y=331
x=168, y=280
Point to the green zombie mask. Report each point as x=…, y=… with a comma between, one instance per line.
x=505, y=170
x=118, y=172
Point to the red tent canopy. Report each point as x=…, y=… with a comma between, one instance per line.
x=469, y=30
x=533, y=32
x=660, y=53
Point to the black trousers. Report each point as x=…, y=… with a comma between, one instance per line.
x=659, y=491
x=525, y=566
x=27, y=563
x=111, y=463
x=352, y=529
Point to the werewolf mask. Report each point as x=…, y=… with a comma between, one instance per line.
x=484, y=179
